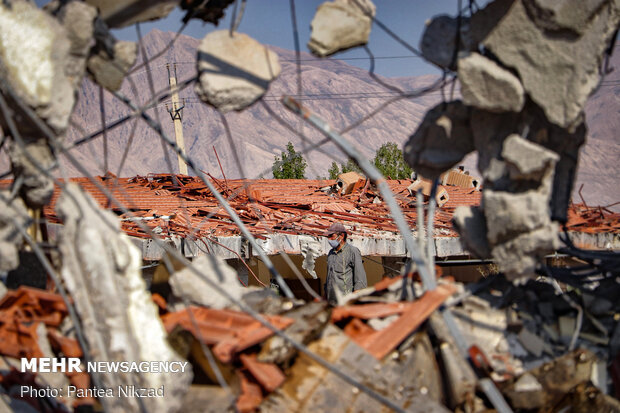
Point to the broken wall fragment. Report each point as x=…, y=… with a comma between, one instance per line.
x=234, y=70
x=101, y=269
x=340, y=25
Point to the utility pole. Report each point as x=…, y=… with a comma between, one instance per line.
x=176, y=113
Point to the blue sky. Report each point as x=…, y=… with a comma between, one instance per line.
x=269, y=21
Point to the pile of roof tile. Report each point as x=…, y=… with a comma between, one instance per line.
x=583, y=218
x=184, y=206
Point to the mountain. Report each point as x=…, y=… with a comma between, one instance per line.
x=337, y=92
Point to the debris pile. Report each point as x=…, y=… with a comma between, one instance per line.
x=534, y=346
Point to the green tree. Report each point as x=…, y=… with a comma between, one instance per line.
x=390, y=162
x=290, y=165
x=333, y=171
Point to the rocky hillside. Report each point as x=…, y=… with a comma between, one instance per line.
x=337, y=92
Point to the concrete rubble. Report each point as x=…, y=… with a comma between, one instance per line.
x=234, y=70
x=526, y=68
x=339, y=25
x=405, y=351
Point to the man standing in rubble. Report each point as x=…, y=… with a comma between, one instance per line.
x=345, y=270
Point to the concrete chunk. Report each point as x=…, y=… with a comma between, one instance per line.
x=36, y=187
x=519, y=256
x=186, y=283
x=527, y=160
x=234, y=70
x=527, y=393
x=509, y=214
x=441, y=141
x=110, y=72
x=558, y=71
x=487, y=85
x=33, y=52
x=12, y=213
x=340, y=25
x=438, y=42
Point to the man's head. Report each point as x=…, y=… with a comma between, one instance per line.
x=336, y=235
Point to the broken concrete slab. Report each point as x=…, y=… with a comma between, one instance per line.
x=191, y=286
x=459, y=375
x=101, y=270
x=109, y=71
x=557, y=71
x=340, y=25
x=234, y=71
x=441, y=141
x=36, y=74
x=439, y=39
x=487, y=85
x=122, y=13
